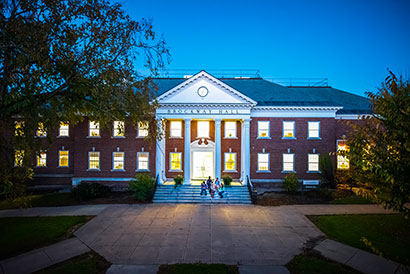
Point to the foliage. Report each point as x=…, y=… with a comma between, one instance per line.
x=67, y=60
x=227, y=180
x=178, y=180
x=327, y=171
x=345, y=177
x=87, y=191
x=142, y=187
x=291, y=183
x=380, y=147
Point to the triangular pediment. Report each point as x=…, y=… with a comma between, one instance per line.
x=203, y=88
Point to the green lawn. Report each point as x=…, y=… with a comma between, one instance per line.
x=21, y=234
x=49, y=199
x=388, y=234
x=310, y=263
x=198, y=268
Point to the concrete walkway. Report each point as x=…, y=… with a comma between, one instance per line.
x=80, y=210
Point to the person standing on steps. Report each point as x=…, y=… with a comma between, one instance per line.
x=221, y=190
x=217, y=182
x=213, y=189
x=209, y=183
x=203, y=188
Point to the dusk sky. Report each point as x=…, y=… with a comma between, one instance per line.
x=352, y=43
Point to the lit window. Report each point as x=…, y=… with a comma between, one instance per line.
x=263, y=161
x=42, y=159
x=18, y=157
x=142, y=129
x=230, y=129
x=94, y=128
x=41, y=131
x=64, y=129
x=288, y=129
x=263, y=129
x=119, y=129
x=19, y=128
x=118, y=161
x=63, y=158
x=203, y=129
x=94, y=160
x=342, y=161
x=288, y=162
x=143, y=161
x=313, y=129
x=176, y=129
x=230, y=161
x=175, y=160
x=313, y=162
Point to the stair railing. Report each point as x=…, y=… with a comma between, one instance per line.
x=252, y=191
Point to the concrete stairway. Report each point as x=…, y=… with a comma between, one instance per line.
x=192, y=194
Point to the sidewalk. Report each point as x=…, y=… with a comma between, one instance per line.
x=80, y=210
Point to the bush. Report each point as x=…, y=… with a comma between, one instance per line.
x=178, y=180
x=87, y=191
x=227, y=180
x=291, y=183
x=142, y=187
x=327, y=171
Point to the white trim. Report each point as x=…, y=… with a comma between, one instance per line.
x=318, y=167
x=170, y=129
x=115, y=130
x=197, y=128
x=308, y=131
x=261, y=137
x=142, y=129
x=257, y=163
x=236, y=162
x=170, y=163
x=59, y=130
x=89, y=129
x=123, y=161
x=283, y=163
x=68, y=160
x=277, y=112
x=283, y=130
x=38, y=155
x=352, y=116
x=236, y=130
x=142, y=170
x=99, y=161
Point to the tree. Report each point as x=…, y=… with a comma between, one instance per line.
x=67, y=60
x=380, y=148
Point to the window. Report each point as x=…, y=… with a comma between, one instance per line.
x=263, y=129
x=175, y=160
x=94, y=160
x=313, y=162
x=143, y=161
x=230, y=161
x=94, y=129
x=64, y=129
x=63, y=158
x=176, y=129
x=142, y=129
x=118, y=161
x=41, y=131
x=230, y=129
x=313, y=129
x=41, y=159
x=19, y=128
x=203, y=129
x=18, y=157
x=288, y=162
x=263, y=161
x=288, y=129
x=119, y=129
x=342, y=161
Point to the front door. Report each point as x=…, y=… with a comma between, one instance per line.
x=202, y=165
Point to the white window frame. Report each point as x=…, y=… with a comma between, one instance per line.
x=99, y=161
x=236, y=162
x=123, y=161
x=41, y=131
x=68, y=130
x=263, y=137
x=138, y=161
x=234, y=136
x=170, y=163
x=97, y=124
x=142, y=130
x=116, y=125
x=318, y=167
x=283, y=130
x=68, y=158
x=318, y=130
x=257, y=162
x=171, y=130
x=197, y=127
x=38, y=159
x=283, y=163
x=341, y=157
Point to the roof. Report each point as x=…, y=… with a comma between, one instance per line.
x=267, y=93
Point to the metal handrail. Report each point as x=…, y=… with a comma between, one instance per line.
x=252, y=191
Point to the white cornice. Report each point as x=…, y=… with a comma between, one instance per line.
x=296, y=108
x=204, y=106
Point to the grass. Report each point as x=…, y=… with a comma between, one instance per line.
x=352, y=199
x=386, y=235
x=198, y=268
x=310, y=263
x=49, y=199
x=22, y=234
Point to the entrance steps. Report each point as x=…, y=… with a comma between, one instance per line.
x=192, y=194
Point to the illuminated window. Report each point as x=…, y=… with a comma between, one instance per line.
x=288, y=162
x=175, y=159
x=63, y=158
x=313, y=162
x=118, y=161
x=19, y=128
x=176, y=129
x=18, y=157
x=342, y=161
x=41, y=131
x=142, y=129
x=313, y=129
x=263, y=129
x=230, y=161
x=94, y=160
x=203, y=129
x=119, y=129
x=94, y=129
x=263, y=161
x=42, y=159
x=288, y=129
x=143, y=161
x=64, y=129
x=230, y=129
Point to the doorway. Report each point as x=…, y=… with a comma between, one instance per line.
x=202, y=165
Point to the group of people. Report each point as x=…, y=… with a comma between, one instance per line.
x=212, y=187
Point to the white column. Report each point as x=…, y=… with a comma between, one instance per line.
x=218, y=148
x=243, y=178
x=247, y=146
x=160, y=154
x=187, y=153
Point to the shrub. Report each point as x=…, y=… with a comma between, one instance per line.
x=327, y=171
x=142, y=187
x=178, y=180
x=87, y=191
x=227, y=180
x=291, y=183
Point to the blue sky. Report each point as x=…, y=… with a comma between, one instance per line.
x=352, y=43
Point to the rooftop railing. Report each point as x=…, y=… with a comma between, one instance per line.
x=219, y=73
x=300, y=82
